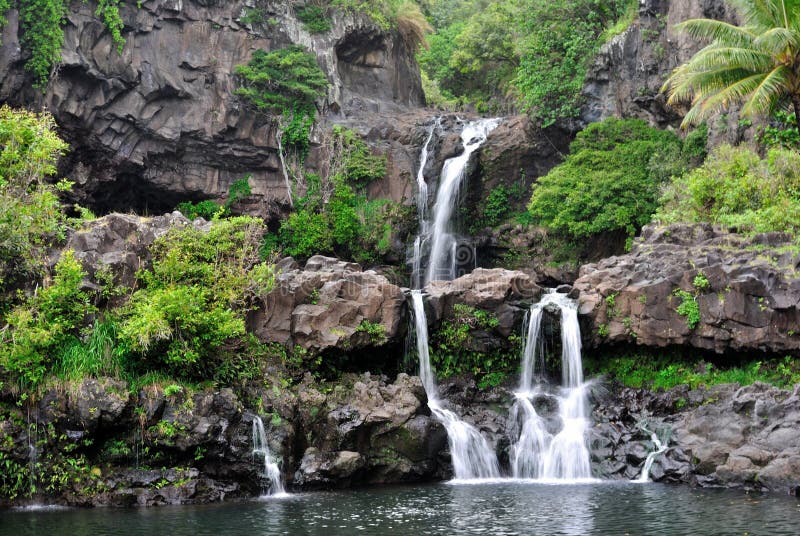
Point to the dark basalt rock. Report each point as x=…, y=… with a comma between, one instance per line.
x=751, y=302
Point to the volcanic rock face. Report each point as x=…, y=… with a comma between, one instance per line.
x=725, y=435
x=747, y=291
x=626, y=75
x=330, y=305
x=159, y=123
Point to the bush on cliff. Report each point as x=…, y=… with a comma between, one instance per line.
x=611, y=179
x=737, y=187
x=30, y=212
x=192, y=301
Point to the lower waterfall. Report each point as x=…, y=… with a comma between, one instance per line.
x=551, y=448
x=472, y=456
x=261, y=450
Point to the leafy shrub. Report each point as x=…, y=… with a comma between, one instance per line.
x=205, y=209
x=30, y=213
x=450, y=353
x=313, y=18
x=688, y=308
x=98, y=354
x=606, y=183
x=282, y=81
x=736, y=187
x=48, y=320
x=192, y=300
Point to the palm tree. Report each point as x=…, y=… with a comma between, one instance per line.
x=756, y=64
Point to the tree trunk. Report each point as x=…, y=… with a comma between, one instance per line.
x=796, y=104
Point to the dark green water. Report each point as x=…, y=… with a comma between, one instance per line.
x=501, y=509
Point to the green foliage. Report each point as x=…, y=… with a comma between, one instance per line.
x=532, y=52
x=210, y=210
x=48, y=320
x=358, y=166
x=30, y=213
x=756, y=64
x=238, y=190
x=688, y=308
x=41, y=22
x=701, y=282
x=191, y=303
x=780, y=132
x=665, y=371
x=375, y=332
x=342, y=221
x=736, y=187
x=451, y=353
x=205, y=209
x=285, y=80
x=606, y=183
x=313, y=18
x=108, y=11
x=97, y=354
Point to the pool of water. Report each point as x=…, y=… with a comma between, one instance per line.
x=499, y=508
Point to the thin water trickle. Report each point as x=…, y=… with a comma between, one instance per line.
x=272, y=471
x=536, y=453
x=422, y=208
x=648, y=463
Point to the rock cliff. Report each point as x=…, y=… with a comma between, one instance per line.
x=746, y=291
x=159, y=123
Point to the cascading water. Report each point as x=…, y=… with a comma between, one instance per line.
x=536, y=452
x=470, y=452
x=443, y=253
x=261, y=449
x=648, y=463
x=422, y=209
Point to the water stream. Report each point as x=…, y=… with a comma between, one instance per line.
x=545, y=447
x=648, y=463
x=471, y=454
x=272, y=471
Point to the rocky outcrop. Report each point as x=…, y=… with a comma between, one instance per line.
x=493, y=290
x=119, y=244
x=330, y=305
x=723, y=436
x=159, y=122
x=746, y=291
x=626, y=76
x=368, y=431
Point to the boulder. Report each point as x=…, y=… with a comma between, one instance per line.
x=331, y=305
x=747, y=291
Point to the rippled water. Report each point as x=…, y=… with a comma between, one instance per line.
x=499, y=508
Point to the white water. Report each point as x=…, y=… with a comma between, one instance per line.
x=648, y=463
x=443, y=260
x=471, y=454
x=536, y=453
x=271, y=469
x=422, y=209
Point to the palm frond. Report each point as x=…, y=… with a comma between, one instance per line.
x=771, y=90
x=776, y=40
x=706, y=105
x=742, y=58
x=717, y=30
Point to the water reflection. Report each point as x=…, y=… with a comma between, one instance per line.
x=501, y=508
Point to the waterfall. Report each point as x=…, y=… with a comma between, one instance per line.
x=261, y=449
x=422, y=209
x=536, y=452
x=648, y=463
x=443, y=260
x=470, y=452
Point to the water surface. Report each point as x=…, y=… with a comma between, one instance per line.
x=503, y=508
